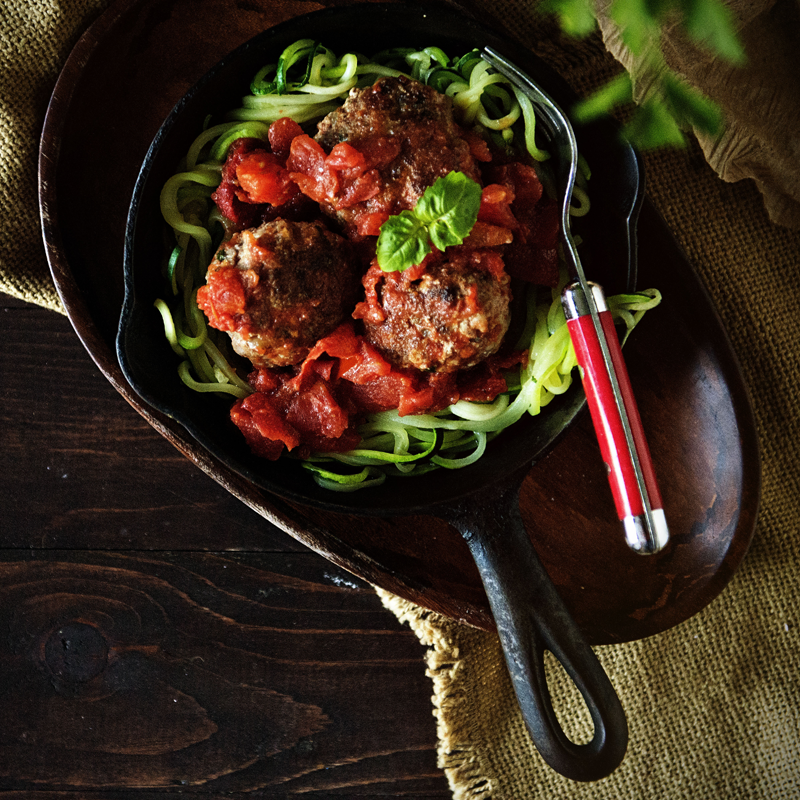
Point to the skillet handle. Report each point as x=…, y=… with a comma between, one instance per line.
x=531, y=618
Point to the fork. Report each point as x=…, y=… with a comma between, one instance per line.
x=605, y=377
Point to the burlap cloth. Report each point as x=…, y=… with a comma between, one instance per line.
x=714, y=703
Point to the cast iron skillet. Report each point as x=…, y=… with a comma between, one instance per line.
x=482, y=500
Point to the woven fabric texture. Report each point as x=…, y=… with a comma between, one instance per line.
x=35, y=40
x=714, y=704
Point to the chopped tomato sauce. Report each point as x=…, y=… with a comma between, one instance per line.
x=256, y=186
x=532, y=255
x=477, y=146
x=495, y=208
x=223, y=299
x=264, y=179
x=485, y=234
x=345, y=156
x=317, y=405
x=281, y=133
x=370, y=224
x=344, y=177
x=227, y=195
x=263, y=425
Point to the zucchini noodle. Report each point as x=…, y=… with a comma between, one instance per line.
x=307, y=82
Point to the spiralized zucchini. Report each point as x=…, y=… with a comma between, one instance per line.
x=306, y=83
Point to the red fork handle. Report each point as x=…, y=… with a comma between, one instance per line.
x=630, y=468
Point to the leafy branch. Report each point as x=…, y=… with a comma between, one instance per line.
x=671, y=105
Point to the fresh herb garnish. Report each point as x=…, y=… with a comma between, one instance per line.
x=443, y=217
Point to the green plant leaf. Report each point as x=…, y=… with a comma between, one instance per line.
x=575, y=17
x=691, y=107
x=450, y=208
x=403, y=241
x=639, y=23
x=444, y=216
x=672, y=104
x=710, y=22
x=617, y=91
x=652, y=125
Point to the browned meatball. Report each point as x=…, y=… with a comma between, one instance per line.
x=408, y=134
x=448, y=315
x=278, y=288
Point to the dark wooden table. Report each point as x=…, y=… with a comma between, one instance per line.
x=159, y=637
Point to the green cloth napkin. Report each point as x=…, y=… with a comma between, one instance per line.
x=714, y=704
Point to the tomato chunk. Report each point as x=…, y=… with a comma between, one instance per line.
x=360, y=189
x=365, y=365
x=306, y=163
x=478, y=146
x=264, y=179
x=263, y=426
x=223, y=298
x=345, y=156
x=315, y=411
x=495, y=208
x=369, y=224
x=485, y=234
x=227, y=195
x=281, y=133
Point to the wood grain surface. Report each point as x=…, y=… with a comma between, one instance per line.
x=686, y=379
x=159, y=635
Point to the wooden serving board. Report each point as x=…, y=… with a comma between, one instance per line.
x=121, y=81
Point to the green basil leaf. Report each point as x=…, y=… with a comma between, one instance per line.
x=403, y=242
x=444, y=216
x=449, y=208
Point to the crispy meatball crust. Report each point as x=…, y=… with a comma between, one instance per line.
x=418, y=121
x=451, y=316
x=278, y=288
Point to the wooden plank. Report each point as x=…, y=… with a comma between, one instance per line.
x=163, y=638
x=79, y=468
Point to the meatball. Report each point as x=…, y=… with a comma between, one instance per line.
x=449, y=314
x=408, y=134
x=278, y=288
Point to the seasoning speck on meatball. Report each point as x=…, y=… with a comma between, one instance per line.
x=278, y=288
x=450, y=313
